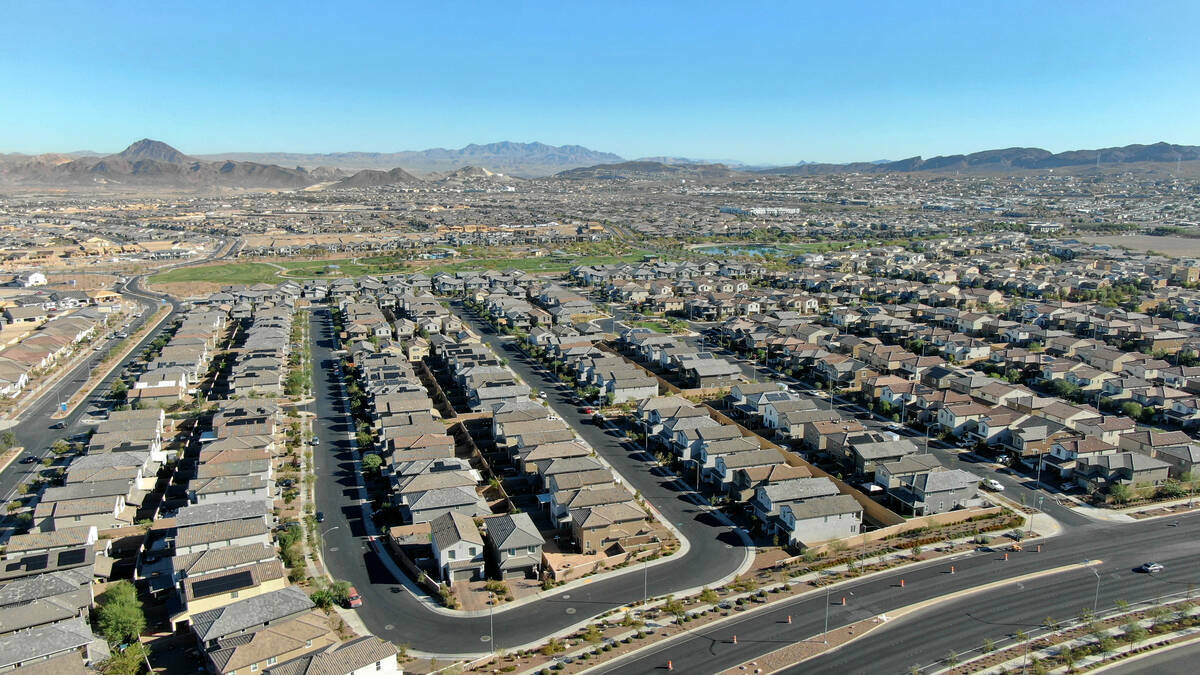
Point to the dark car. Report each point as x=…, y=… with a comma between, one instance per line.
x=59, y=425
x=320, y=516
x=28, y=459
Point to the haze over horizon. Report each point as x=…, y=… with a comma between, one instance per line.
x=754, y=83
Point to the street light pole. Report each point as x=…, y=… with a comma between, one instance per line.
x=825, y=635
x=1096, y=597
x=645, y=583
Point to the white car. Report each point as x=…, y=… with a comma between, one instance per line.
x=993, y=485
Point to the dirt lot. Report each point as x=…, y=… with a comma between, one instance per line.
x=84, y=281
x=1175, y=247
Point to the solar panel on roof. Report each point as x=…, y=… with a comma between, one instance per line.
x=222, y=584
x=72, y=557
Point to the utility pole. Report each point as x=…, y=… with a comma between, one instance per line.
x=825, y=635
x=645, y=583
x=1096, y=597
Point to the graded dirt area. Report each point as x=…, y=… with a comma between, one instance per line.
x=1175, y=247
x=84, y=281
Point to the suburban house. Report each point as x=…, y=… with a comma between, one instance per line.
x=457, y=547
x=514, y=546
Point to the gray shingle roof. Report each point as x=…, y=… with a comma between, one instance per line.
x=513, y=531
x=250, y=613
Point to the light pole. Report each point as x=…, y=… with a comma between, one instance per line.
x=1096, y=597
x=491, y=621
x=645, y=583
x=322, y=540
x=825, y=635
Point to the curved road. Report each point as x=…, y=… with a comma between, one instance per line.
x=393, y=613
x=34, y=428
x=921, y=638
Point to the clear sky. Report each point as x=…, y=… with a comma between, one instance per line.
x=761, y=82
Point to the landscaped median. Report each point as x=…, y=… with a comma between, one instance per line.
x=1085, y=642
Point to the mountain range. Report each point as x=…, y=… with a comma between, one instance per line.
x=1008, y=159
x=525, y=160
x=154, y=164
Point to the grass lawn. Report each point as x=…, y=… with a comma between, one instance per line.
x=552, y=263
x=224, y=273
x=656, y=326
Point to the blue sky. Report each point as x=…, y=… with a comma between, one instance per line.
x=762, y=82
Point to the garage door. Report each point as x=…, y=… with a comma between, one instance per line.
x=462, y=575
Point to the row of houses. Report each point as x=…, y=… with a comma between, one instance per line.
x=175, y=372
x=787, y=500
x=53, y=340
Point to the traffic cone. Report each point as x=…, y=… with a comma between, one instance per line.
x=1006, y=556
x=670, y=666
x=901, y=583
x=952, y=569
x=789, y=618
x=843, y=601
x=735, y=639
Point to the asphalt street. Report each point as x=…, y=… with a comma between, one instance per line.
x=928, y=635
x=393, y=613
x=34, y=430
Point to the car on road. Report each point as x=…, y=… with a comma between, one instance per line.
x=353, y=599
x=28, y=459
x=320, y=516
x=894, y=426
x=59, y=425
x=993, y=485
x=542, y=395
x=1151, y=567
x=316, y=441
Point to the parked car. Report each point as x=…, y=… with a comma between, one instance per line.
x=993, y=485
x=320, y=516
x=316, y=441
x=353, y=599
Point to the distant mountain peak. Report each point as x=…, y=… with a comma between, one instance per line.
x=155, y=150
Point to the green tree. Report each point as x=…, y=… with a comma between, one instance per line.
x=126, y=662
x=7, y=439
x=119, y=390
x=1134, y=632
x=120, y=616
x=1131, y=409
x=1120, y=493
x=371, y=462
